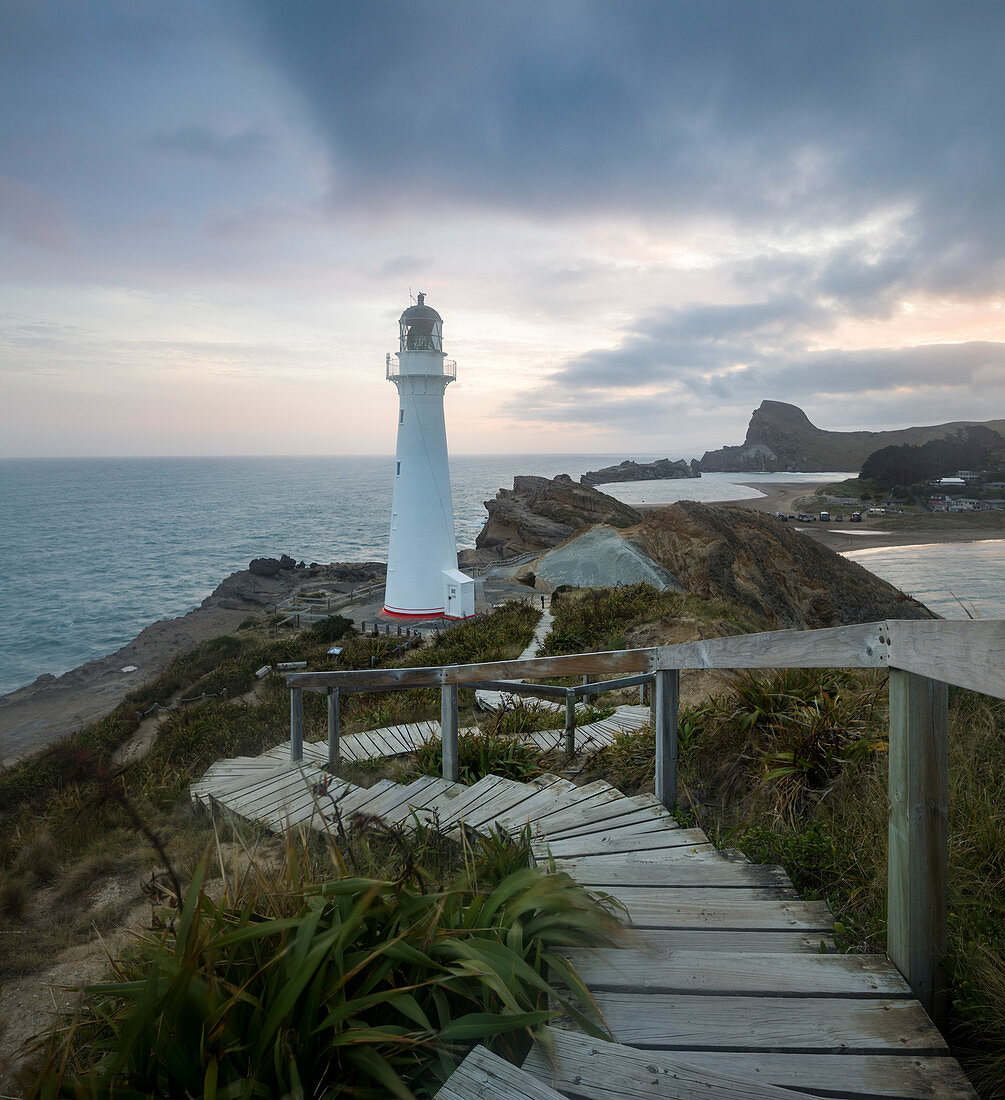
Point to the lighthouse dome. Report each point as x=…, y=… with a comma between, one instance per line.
x=421, y=328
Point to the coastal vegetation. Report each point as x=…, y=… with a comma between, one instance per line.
x=82, y=804
x=789, y=768
x=363, y=966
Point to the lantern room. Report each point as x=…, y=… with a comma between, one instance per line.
x=421, y=328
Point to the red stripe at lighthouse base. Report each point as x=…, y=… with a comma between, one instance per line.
x=429, y=613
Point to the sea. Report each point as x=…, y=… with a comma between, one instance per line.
x=93, y=550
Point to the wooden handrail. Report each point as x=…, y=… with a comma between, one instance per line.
x=923, y=657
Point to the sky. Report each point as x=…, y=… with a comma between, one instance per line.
x=638, y=219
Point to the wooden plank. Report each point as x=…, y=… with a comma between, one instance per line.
x=485, y=1076
x=542, y=668
x=782, y=975
x=860, y=646
x=586, y=1069
x=917, y=873
x=598, y=807
x=448, y=731
x=852, y=1077
x=797, y=1024
x=970, y=654
x=296, y=724
x=402, y=813
x=712, y=941
x=615, y=871
x=709, y=907
x=685, y=839
x=475, y=795
x=666, y=702
x=592, y=1070
x=613, y=819
x=334, y=728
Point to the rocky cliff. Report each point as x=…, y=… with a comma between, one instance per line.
x=537, y=513
x=781, y=437
x=788, y=577
x=660, y=470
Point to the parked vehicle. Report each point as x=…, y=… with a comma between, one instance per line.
x=825, y=517
x=856, y=517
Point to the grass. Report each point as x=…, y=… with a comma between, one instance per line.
x=599, y=618
x=483, y=753
x=313, y=976
x=791, y=768
x=67, y=804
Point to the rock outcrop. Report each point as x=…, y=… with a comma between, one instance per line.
x=538, y=513
x=781, y=437
x=663, y=469
x=787, y=577
x=599, y=557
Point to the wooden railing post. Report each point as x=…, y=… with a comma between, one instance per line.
x=448, y=731
x=296, y=725
x=666, y=699
x=570, y=723
x=334, y=728
x=917, y=873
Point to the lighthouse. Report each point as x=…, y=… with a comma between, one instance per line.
x=423, y=580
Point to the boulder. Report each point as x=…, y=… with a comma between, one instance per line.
x=286, y=562
x=264, y=567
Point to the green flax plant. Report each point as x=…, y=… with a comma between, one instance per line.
x=304, y=980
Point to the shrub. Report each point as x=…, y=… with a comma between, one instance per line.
x=291, y=985
x=480, y=754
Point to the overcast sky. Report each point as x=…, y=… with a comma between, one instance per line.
x=638, y=218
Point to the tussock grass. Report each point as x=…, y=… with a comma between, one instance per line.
x=483, y=753
x=310, y=976
x=599, y=618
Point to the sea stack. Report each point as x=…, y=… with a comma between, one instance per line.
x=423, y=581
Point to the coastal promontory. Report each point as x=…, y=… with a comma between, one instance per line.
x=663, y=469
x=780, y=437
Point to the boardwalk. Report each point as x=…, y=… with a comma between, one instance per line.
x=719, y=987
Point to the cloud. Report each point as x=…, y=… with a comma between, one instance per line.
x=207, y=143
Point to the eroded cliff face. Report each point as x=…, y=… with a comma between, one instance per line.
x=749, y=557
x=781, y=437
x=539, y=512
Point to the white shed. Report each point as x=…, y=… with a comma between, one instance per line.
x=458, y=594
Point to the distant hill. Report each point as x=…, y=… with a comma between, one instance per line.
x=781, y=437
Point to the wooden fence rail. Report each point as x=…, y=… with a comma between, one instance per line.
x=923, y=658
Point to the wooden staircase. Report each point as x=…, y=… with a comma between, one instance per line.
x=726, y=984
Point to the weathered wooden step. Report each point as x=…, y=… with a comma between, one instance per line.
x=687, y=840
x=810, y=1025
x=476, y=794
x=776, y=975
x=589, y=1069
x=485, y=1076
x=585, y=1069
x=708, y=940
x=711, y=907
x=418, y=801
x=605, y=872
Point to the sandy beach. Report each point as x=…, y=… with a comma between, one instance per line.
x=780, y=497
x=55, y=706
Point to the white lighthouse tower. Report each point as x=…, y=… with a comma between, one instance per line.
x=423, y=580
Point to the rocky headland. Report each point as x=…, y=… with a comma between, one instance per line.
x=780, y=437
x=539, y=512
x=713, y=551
x=663, y=469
